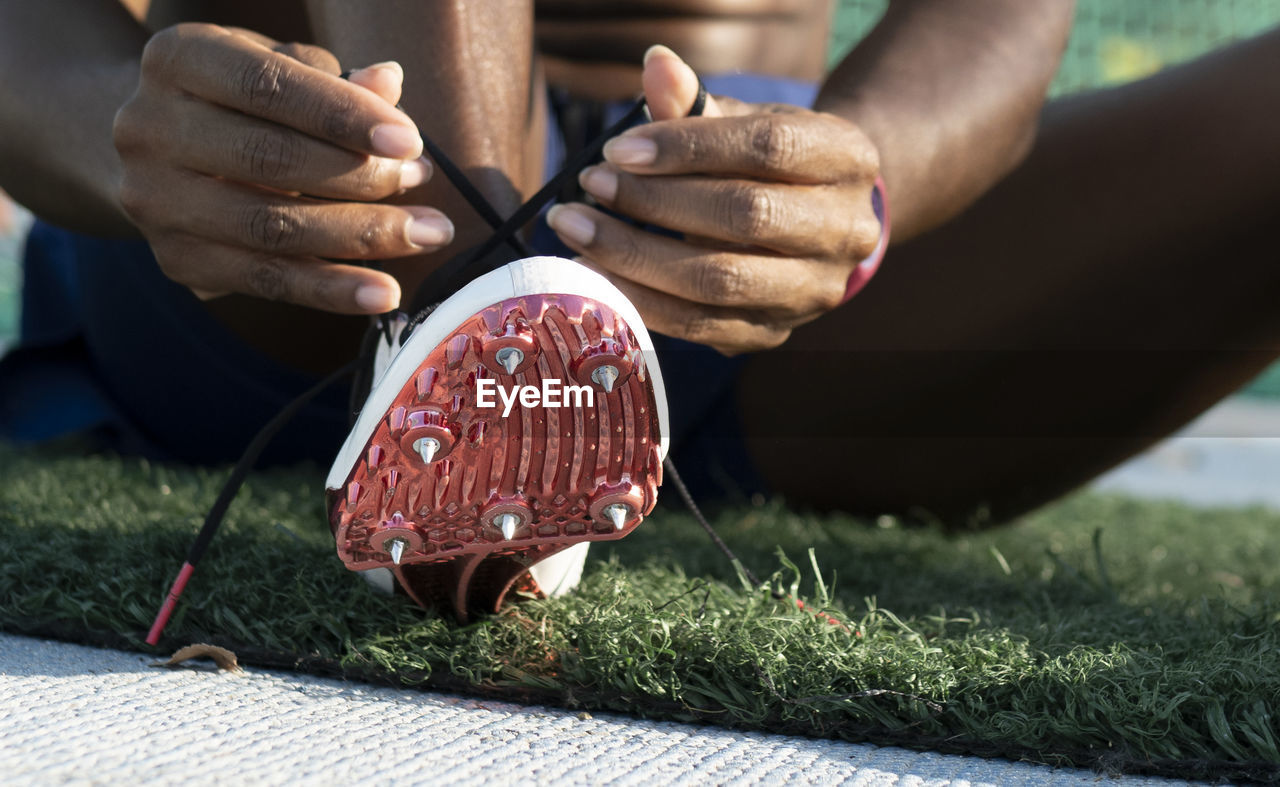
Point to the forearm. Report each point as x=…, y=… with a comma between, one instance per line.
x=69, y=65
x=950, y=93
x=468, y=85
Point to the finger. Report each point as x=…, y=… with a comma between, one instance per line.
x=385, y=80
x=806, y=147
x=713, y=277
x=255, y=36
x=731, y=331
x=216, y=141
x=732, y=107
x=314, y=56
x=208, y=295
x=317, y=57
x=792, y=219
x=671, y=86
x=210, y=269
x=243, y=75
x=288, y=226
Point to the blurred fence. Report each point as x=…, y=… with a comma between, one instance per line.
x=1113, y=40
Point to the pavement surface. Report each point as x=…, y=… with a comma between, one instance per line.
x=76, y=715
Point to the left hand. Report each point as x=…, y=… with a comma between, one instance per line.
x=774, y=202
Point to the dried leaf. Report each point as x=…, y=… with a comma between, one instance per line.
x=225, y=659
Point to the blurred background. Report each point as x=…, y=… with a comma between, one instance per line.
x=1113, y=40
x=13, y=223
x=1218, y=459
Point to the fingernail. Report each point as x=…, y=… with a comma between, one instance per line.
x=631, y=150
x=395, y=141
x=414, y=173
x=658, y=49
x=572, y=224
x=376, y=298
x=600, y=183
x=430, y=231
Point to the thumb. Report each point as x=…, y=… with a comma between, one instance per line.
x=671, y=86
x=384, y=79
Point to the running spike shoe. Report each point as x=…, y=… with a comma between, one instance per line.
x=524, y=418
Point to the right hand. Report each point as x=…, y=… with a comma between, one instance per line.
x=247, y=162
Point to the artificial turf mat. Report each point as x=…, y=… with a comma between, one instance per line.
x=1103, y=632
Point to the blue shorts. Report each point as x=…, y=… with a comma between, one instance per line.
x=112, y=351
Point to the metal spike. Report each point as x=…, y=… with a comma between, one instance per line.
x=509, y=523
x=396, y=547
x=617, y=514
x=605, y=376
x=427, y=448
x=510, y=358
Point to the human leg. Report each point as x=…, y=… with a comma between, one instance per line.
x=1109, y=290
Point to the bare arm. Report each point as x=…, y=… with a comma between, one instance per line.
x=942, y=98
x=69, y=65
x=246, y=163
x=949, y=92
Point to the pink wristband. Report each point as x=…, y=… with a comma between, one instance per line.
x=868, y=267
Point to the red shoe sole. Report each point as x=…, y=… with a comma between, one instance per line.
x=556, y=468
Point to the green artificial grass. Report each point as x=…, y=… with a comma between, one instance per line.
x=1103, y=632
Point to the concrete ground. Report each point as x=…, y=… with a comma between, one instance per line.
x=76, y=715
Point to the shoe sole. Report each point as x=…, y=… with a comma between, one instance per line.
x=556, y=469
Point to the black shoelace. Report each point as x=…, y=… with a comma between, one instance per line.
x=447, y=279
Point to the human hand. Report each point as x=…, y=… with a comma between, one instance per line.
x=247, y=162
x=774, y=202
